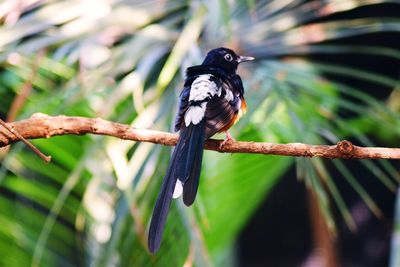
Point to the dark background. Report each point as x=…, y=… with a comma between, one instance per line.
x=282, y=225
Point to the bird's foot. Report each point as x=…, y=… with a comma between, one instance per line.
x=228, y=138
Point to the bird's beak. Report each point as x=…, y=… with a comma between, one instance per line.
x=244, y=59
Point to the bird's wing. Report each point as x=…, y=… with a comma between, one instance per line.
x=222, y=111
x=223, y=106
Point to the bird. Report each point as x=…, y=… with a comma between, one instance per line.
x=212, y=100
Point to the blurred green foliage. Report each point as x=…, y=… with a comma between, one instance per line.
x=125, y=61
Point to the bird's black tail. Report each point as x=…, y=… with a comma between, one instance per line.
x=185, y=165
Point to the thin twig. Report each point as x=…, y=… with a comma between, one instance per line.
x=26, y=88
x=44, y=126
x=26, y=142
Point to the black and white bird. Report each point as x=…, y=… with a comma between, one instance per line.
x=211, y=101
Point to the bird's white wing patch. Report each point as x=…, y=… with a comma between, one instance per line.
x=202, y=89
x=178, y=189
x=194, y=114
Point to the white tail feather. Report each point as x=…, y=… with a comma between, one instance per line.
x=178, y=189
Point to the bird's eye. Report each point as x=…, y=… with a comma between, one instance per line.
x=228, y=57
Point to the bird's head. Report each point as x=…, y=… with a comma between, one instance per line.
x=225, y=59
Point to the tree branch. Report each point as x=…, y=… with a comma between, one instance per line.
x=26, y=142
x=44, y=126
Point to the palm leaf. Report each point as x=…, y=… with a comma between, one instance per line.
x=125, y=61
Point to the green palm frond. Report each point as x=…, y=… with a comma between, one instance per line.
x=125, y=61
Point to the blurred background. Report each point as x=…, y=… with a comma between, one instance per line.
x=325, y=71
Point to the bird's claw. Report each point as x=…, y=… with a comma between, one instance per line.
x=228, y=138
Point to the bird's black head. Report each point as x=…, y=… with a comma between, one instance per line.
x=225, y=59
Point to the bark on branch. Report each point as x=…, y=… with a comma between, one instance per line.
x=44, y=126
